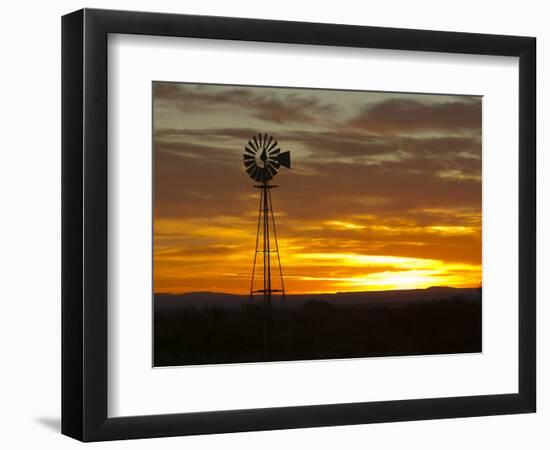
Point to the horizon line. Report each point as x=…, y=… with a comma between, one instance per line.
x=320, y=293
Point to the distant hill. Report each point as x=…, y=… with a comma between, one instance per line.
x=166, y=302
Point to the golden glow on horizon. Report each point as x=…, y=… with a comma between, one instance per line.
x=222, y=263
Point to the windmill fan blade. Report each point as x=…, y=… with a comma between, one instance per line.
x=248, y=157
x=266, y=174
x=247, y=164
x=265, y=140
x=252, y=145
x=269, y=143
x=274, y=163
x=284, y=159
x=258, y=175
x=272, y=145
x=272, y=170
x=274, y=153
x=250, y=151
x=256, y=142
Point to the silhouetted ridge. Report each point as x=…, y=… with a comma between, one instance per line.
x=366, y=298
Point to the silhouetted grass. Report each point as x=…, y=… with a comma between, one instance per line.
x=316, y=330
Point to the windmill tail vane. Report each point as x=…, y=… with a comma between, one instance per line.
x=263, y=159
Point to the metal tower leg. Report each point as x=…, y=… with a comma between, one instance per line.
x=283, y=294
x=265, y=248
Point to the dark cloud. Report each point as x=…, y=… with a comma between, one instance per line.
x=343, y=173
x=402, y=115
x=270, y=107
x=211, y=133
x=213, y=182
x=328, y=145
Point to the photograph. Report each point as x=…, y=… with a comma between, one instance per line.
x=296, y=224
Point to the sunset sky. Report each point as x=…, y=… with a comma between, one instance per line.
x=384, y=190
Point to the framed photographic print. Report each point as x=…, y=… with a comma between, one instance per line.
x=259, y=256
x=266, y=224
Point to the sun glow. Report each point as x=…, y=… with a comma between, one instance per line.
x=192, y=266
x=215, y=253
x=345, y=225
x=344, y=259
x=389, y=272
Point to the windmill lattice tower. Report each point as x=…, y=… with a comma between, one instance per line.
x=262, y=160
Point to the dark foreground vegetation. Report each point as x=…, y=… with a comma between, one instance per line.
x=316, y=329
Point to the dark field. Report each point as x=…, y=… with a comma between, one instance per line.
x=221, y=330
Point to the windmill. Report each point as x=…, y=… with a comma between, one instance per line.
x=262, y=160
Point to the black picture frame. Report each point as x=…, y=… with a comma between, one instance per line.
x=84, y=224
